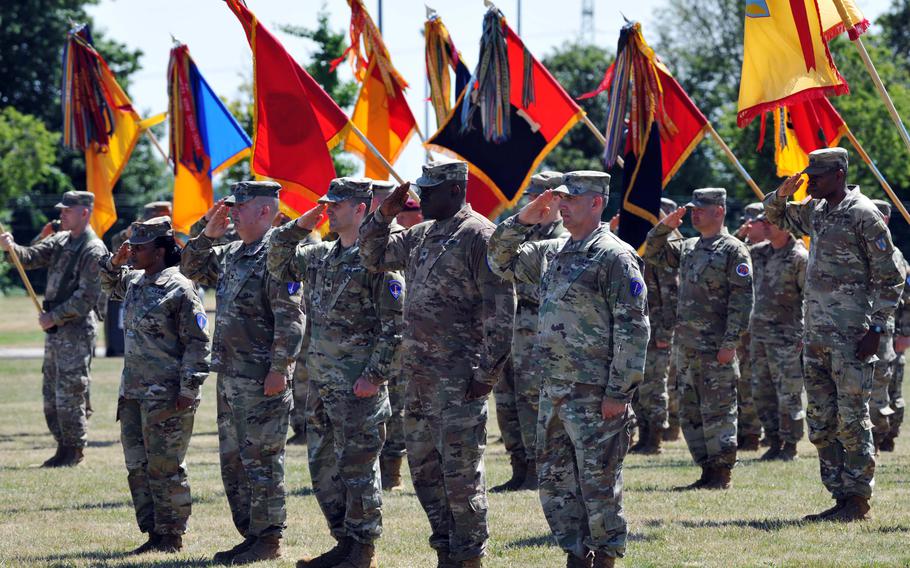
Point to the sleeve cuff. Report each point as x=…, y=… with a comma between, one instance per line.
x=380, y=218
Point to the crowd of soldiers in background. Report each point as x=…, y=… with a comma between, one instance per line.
x=382, y=343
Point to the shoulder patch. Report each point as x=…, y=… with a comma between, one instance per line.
x=908, y=280
x=201, y=320
x=636, y=287
x=293, y=287
x=743, y=270
x=881, y=243
x=395, y=288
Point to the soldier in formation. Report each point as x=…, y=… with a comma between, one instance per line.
x=166, y=361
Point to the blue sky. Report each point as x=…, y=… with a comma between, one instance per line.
x=219, y=47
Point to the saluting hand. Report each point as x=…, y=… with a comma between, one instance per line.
x=674, y=219
x=394, y=204
x=538, y=209
x=310, y=220
x=791, y=185
x=119, y=258
x=218, y=221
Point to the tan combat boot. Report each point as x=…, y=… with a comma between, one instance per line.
x=706, y=474
x=531, y=483
x=823, y=516
x=331, y=558
x=749, y=443
x=653, y=442
x=361, y=556
x=149, y=545
x=54, y=460
x=601, y=560
x=169, y=543
x=443, y=560
x=720, y=478
x=391, y=473
x=788, y=452
x=855, y=508
x=225, y=556
x=472, y=563
x=774, y=447
x=573, y=561
x=644, y=430
x=672, y=433
x=519, y=474
x=265, y=548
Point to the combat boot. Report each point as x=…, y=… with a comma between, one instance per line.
x=720, y=478
x=643, y=430
x=706, y=474
x=360, y=556
x=443, y=560
x=391, y=473
x=788, y=452
x=826, y=513
x=855, y=508
x=573, y=561
x=298, y=439
x=519, y=473
x=331, y=558
x=54, y=460
x=750, y=443
x=672, y=433
x=773, y=452
x=72, y=457
x=169, y=543
x=601, y=560
x=265, y=548
x=887, y=444
x=531, y=482
x=150, y=544
x=225, y=556
x=652, y=442
x=472, y=563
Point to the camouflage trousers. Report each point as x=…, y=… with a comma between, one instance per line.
x=155, y=437
x=707, y=409
x=652, y=398
x=749, y=423
x=344, y=437
x=777, y=387
x=839, y=388
x=252, y=429
x=881, y=409
x=580, y=459
x=301, y=386
x=896, y=394
x=394, y=442
x=66, y=381
x=446, y=438
x=507, y=417
x=673, y=388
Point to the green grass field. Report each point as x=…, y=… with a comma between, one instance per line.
x=83, y=516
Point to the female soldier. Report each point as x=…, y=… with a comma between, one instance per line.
x=165, y=363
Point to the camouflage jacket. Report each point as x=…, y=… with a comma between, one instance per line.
x=354, y=315
x=715, y=286
x=56, y=254
x=593, y=324
x=902, y=313
x=529, y=294
x=459, y=314
x=780, y=280
x=166, y=341
x=663, y=294
x=852, y=277
x=258, y=319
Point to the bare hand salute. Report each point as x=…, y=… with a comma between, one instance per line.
x=122, y=254
x=394, y=204
x=310, y=220
x=538, y=209
x=218, y=221
x=674, y=219
x=790, y=185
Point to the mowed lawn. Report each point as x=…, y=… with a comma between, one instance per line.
x=83, y=516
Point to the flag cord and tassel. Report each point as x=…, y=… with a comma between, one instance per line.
x=878, y=174
x=21, y=269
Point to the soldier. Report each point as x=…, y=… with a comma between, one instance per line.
x=258, y=328
x=882, y=408
x=355, y=322
x=459, y=326
x=901, y=343
x=853, y=285
x=715, y=300
x=776, y=325
x=592, y=336
x=518, y=393
x=394, y=450
x=165, y=364
x=149, y=211
x=652, y=399
x=410, y=215
x=71, y=300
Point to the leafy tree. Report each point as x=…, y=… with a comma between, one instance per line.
x=27, y=153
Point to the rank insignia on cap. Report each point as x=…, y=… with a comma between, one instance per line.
x=636, y=287
x=395, y=288
x=881, y=244
x=743, y=270
x=293, y=287
x=201, y=321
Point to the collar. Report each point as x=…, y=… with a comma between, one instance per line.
x=448, y=226
x=254, y=247
x=159, y=279
x=587, y=242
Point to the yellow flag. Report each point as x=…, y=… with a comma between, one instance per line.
x=785, y=57
x=836, y=21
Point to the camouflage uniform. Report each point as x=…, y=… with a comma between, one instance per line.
x=749, y=425
x=301, y=377
x=901, y=328
x=71, y=297
x=852, y=283
x=777, y=325
x=258, y=329
x=653, y=399
x=459, y=323
x=395, y=446
x=592, y=337
x=715, y=301
x=166, y=355
x=355, y=325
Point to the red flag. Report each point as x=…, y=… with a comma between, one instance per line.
x=295, y=121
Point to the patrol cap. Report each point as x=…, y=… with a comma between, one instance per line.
x=443, y=170
x=142, y=232
x=156, y=209
x=76, y=199
x=584, y=181
x=883, y=207
x=825, y=160
x=708, y=196
x=383, y=187
x=753, y=210
x=540, y=182
x=411, y=205
x=243, y=191
x=667, y=205
x=342, y=189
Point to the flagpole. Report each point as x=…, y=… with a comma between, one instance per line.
x=21, y=269
x=380, y=157
x=156, y=143
x=877, y=80
x=736, y=164
x=878, y=174
x=600, y=138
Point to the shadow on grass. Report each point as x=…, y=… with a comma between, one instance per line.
x=95, y=506
x=305, y=491
x=105, y=444
x=650, y=488
x=768, y=525
x=662, y=464
x=99, y=558
x=544, y=540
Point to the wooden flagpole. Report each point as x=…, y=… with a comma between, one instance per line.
x=369, y=145
x=21, y=269
x=878, y=175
